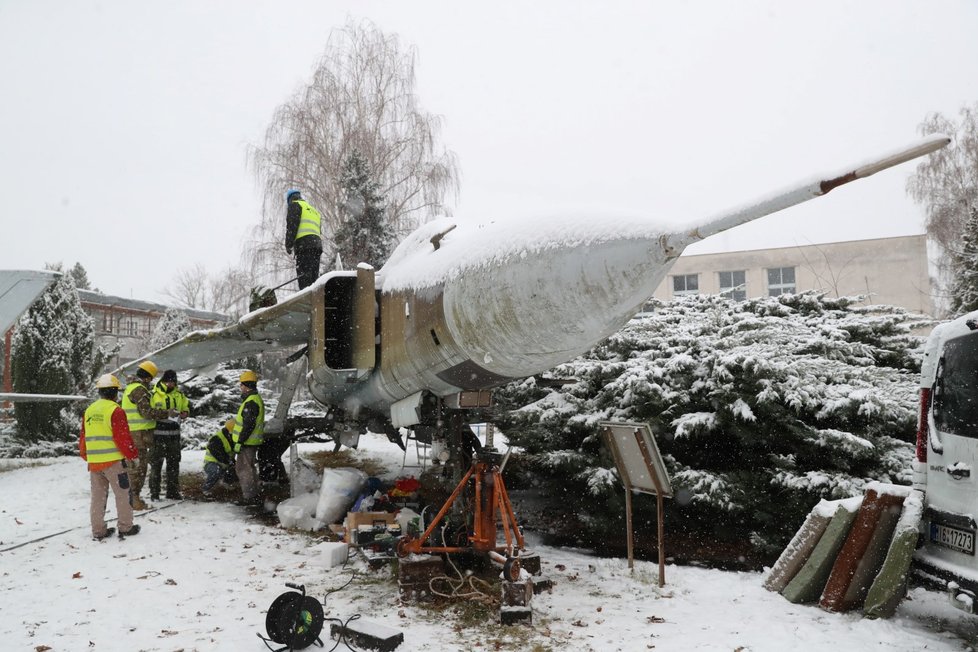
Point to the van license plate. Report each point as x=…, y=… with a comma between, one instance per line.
x=953, y=538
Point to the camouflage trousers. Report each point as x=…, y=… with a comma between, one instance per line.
x=137, y=473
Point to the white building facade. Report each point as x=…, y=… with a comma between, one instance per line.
x=892, y=271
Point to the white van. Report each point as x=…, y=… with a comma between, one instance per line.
x=946, y=464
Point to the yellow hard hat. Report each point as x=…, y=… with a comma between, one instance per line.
x=229, y=425
x=107, y=381
x=148, y=367
x=248, y=376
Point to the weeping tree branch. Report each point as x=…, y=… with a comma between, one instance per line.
x=946, y=184
x=361, y=98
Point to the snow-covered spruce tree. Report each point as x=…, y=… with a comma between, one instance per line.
x=364, y=235
x=53, y=352
x=80, y=275
x=964, y=285
x=173, y=325
x=760, y=408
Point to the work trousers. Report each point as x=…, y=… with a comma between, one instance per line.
x=244, y=465
x=307, y=266
x=116, y=478
x=270, y=466
x=213, y=472
x=137, y=474
x=166, y=449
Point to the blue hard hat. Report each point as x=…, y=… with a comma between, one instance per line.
x=290, y=192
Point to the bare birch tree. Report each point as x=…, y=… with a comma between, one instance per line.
x=946, y=183
x=229, y=291
x=226, y=293
x=189, y=287
x=361, y=97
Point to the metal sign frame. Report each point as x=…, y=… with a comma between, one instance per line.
x=641, y=468
x=637, y=457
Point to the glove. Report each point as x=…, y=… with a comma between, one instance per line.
x=173, y=414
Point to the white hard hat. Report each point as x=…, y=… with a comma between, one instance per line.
x=107, y=381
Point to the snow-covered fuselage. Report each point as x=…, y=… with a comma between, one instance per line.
x=464, y=306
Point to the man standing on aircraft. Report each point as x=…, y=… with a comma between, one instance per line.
x=303, y=233
x=166, y=437
x=142, y=421
x=247, y=435
x=105, y=443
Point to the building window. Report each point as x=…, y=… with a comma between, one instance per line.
x=780, y=280
x=733, y=285
x=684, y=285
x=106, y=322
x=132, y=327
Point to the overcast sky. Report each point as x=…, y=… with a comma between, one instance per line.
x=124, y=125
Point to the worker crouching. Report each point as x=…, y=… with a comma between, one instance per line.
x=218, y=457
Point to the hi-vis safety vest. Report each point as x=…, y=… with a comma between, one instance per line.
x=172, y=400
x=225, y=444
x=136, y=422
x=99, y=444
x=310, y=223
x=256, y=437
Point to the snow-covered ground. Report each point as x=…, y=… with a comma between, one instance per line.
x=202, y=575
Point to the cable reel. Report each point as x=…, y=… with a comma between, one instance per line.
x=294, y=620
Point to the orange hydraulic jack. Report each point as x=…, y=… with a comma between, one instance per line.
x=490, y=499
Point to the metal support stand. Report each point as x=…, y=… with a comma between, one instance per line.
x=491, y=500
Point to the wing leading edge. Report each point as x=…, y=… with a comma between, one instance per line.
x=282, y=326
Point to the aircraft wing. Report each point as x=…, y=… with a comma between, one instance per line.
x=282, y=326
x=18, y=290
x=40, y=398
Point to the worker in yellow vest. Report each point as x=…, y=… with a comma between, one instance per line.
x=218, y=456
x=303, y=233
x=105, y=443
x=166, y=438
x=142, y=416
x=247, y=435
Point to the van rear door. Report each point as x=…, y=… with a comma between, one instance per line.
x=952, y=469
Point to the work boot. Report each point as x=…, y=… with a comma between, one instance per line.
x=174, y=495
x=131, y=532
x=154, y=497
x=138, y=504
x=108, y=533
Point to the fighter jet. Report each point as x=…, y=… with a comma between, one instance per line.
x=462, y=307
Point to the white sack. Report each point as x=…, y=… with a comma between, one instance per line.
x=338, y=492
x=306, y=478
x=299, y=512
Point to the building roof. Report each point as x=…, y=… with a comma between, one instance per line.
x=109, y=301
x=810, y=245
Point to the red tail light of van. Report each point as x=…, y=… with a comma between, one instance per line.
x=922, y=425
